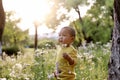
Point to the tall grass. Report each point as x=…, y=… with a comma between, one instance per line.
x=92, y=64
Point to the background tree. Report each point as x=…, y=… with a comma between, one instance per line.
x=57, y=15
x=12, y=34
x=90, y=27
x=114, y=62
x=51, y=19
x=2, y=23
x=98, y=18
x=75, y=5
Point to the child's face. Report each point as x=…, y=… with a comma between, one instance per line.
x=65, y=37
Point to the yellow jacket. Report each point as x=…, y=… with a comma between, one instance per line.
x=64, y=69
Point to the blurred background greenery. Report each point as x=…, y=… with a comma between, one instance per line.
x=93, y=41
x=95, y=26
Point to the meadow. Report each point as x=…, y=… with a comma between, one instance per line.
x=37, y=65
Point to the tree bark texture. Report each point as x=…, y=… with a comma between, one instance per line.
x=114, y=62
x=2, y=24
x=2, y=20
x=36, y=37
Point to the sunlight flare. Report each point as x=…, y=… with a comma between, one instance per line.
x=28, y=10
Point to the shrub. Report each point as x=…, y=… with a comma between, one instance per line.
x=11, y=50
x=46, y=43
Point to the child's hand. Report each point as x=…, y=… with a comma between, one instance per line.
x=54, y=74
x=68, y=58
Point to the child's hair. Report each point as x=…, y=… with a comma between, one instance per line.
x=71, y=30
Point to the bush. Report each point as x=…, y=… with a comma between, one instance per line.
x=46, y=43
x=11, y=50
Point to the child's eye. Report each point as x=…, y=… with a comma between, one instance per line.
x=60, y=35
x=64, y=35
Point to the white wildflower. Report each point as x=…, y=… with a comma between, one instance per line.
x=50, y=76
x=3, y=79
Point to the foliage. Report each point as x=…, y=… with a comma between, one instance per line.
x=92, y=64
x=43, y=65
x=79, y=34
x=16, y=35
x=97, y=30
x=98, y=22
x=44, y=43
x=69, y=4
x=11, y=50
x=51, y=19
x=90, y=27
x=20, y=69
x=56, y=16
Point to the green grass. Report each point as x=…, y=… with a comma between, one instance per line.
x=92, y=64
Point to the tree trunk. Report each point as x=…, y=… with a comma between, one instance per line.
x=78, y=11
x=2, y=23
x=80, y=31
x=2, y=19
x=36, y=37
x=114, y=62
